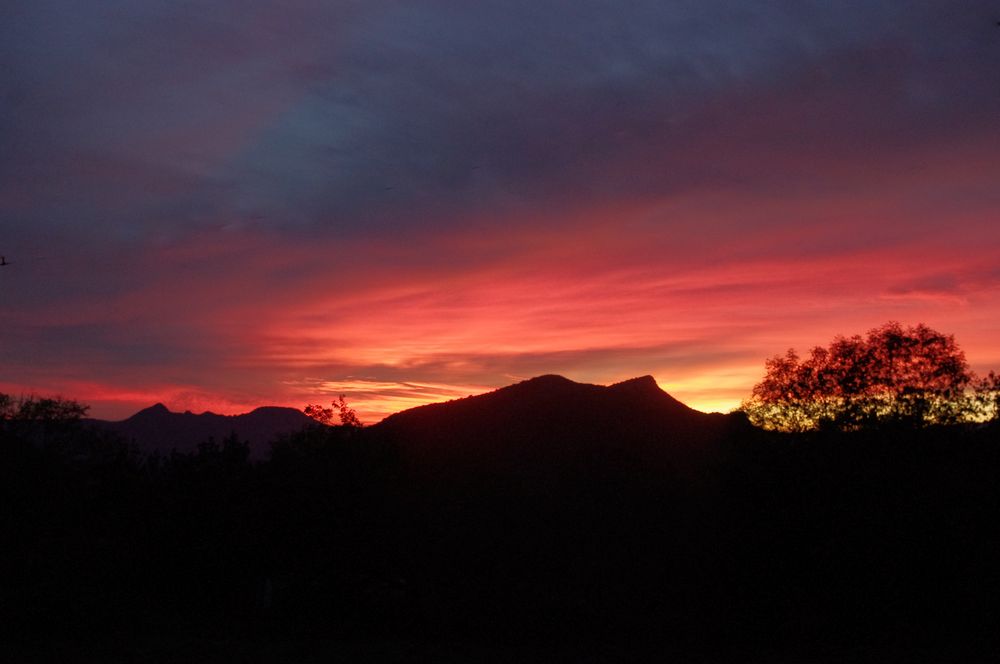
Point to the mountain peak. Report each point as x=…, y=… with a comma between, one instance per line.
x=155, y=409
x=644, y=382
x=276, y=411
x=642, y=386
x=547, y=379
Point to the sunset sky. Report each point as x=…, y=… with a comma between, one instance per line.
x=221, y=205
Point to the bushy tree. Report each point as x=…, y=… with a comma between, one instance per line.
x=40, y=409
x=340, y=409
x=912, y=376
x=41, y=421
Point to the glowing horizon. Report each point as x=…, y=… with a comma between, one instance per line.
x=410, y=204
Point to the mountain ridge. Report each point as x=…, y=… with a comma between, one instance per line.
x=157, y=429
x=633, y=416
x=552, y=422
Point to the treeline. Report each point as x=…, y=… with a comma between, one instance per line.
x=818, y=540
x=893, y=376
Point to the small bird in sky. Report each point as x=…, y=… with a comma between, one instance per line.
x=3, y=261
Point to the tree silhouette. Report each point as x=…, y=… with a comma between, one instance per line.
x=340, y=409
x=911, y=376
x=40, y=409
x=40, y=420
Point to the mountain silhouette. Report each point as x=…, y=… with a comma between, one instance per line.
x=157, y=429
x=551, y=422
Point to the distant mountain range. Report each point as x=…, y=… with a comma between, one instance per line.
x=157, y=429
x=544, y=420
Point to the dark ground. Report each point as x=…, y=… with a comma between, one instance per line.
x=721, y=544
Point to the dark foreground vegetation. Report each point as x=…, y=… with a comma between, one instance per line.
x=617, y=523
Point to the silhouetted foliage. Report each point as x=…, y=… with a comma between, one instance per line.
x=340, y=409
x=40, y=409
x=53, y=426
x=895, y=376
x=986, y=393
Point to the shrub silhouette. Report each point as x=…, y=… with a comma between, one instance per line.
x=897, y=376
x=344, y=412
x=40, y=409
x=51, y=423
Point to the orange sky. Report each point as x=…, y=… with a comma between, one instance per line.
x=405, y=203
x=621, y=298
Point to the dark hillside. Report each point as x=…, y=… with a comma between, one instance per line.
x=558, y=425
x=157, y=429
x=551, y=506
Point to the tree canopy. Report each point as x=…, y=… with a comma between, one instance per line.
x=910, y=376
x=40, y=409
x=340, y=409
